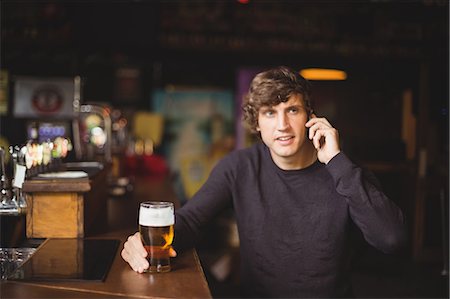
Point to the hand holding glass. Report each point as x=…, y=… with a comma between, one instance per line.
x=156, y=221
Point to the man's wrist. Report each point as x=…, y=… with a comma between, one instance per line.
x=332, y=157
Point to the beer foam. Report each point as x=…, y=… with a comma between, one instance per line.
x=156, y=216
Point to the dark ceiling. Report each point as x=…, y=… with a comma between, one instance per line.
x=395, y=29
x=203, y=42
x=383, y=45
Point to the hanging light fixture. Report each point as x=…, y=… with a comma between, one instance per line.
x=323, y=74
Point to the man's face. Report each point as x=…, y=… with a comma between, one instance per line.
x=283, y=130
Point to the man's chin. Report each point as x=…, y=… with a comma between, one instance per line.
x=284, y=153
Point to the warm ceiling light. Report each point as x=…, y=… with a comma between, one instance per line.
x=323, y=74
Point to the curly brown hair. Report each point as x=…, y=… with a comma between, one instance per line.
x=270, y=88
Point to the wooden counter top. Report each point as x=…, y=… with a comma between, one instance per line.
x=57, y=185
x=37, y=184
x=186, y=280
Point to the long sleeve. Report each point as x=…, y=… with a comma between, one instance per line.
x=294, y=225
x=380, y=220
x=212, y=197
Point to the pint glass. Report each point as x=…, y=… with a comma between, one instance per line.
x=156, y=221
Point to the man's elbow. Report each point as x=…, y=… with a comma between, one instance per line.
x=394, y=242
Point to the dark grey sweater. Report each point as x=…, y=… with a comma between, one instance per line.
x=294, y=226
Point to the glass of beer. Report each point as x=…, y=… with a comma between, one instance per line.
x=156, y=221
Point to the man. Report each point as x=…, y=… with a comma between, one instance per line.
x=297, y=199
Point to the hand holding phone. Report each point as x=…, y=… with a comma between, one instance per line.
x=324, y=136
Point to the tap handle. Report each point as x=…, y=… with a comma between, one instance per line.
x=5, y=193
x=13, y=150
x=21, y=155
x=2, y=162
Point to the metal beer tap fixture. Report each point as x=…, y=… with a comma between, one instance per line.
x=18, y=155
x=27, y=161
x=5, y=192
x=8, y=204
x=16, y=203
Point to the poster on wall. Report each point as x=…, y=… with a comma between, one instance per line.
x=198, y=129
x=43, y=97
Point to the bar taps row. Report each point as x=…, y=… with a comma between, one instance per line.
x=27, y=161
x=12, y=198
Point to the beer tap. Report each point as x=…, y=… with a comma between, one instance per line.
x=8, y=204
x=13, y=150
x=21, y=197
x=18, y=158
x=5, y=192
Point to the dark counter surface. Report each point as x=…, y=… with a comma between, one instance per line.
x=186, y=280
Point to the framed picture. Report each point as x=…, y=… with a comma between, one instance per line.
x=50, y=98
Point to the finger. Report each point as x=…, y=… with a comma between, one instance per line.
x=318, y=120
x=315, y=127
x=138, y=264
x=129, y=257
x=136, y=245
x=322, y=120
x=319, y=133
x=142, y=267
x=125, y=255
x=132, y=254
x=325, y=121
x=134, y=264
x=172, y=252
x=140, y=259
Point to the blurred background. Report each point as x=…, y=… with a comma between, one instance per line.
x=170, y=76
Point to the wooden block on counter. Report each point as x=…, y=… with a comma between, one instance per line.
x=55, y=215
x=67, y=208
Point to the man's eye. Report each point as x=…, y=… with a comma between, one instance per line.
x=293, y=110
x=268, y=113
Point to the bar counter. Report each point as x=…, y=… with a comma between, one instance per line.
x=186, y=280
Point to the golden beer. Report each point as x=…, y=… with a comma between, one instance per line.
x=157, y=242
x=156, y=220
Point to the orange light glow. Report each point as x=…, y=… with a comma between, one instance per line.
x=323, y=74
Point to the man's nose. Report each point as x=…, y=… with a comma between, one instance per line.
x=283, y=122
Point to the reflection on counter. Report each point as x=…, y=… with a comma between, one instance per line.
x=12, y=258
x=69, y=259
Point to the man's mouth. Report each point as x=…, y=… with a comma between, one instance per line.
x=284, y=138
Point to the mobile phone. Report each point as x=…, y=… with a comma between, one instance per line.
x=307, y=129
